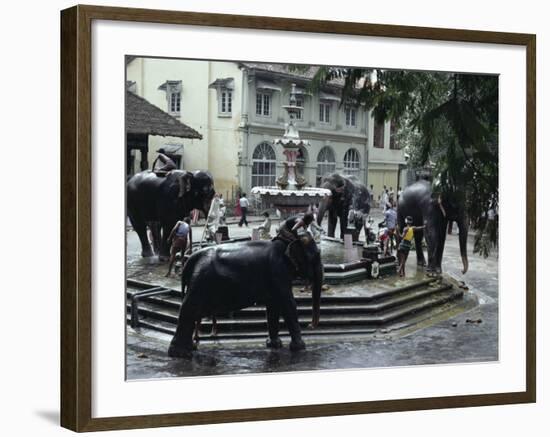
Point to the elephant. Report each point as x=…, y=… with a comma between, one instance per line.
x=225, y=278
x=419, y=202
x=159, y=202
x=349, y=203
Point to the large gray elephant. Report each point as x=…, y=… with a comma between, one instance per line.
x=350, y=201
x=159, y=202
x=435, y=212
x=232, y=276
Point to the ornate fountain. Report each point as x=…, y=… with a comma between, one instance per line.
x=291, y=195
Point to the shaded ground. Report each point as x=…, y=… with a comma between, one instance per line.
x=445, y=338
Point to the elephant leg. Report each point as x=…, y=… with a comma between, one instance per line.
x=272, y=311
x=196, y=333
x=182, y=345
x=343, y=225
x=290, y=316
x=440, y=248
x=418, y=237
x=432, y=243
x=356, y=233
x=141, y=229
x=332, y=218
x=164, y=254
x=155, y=231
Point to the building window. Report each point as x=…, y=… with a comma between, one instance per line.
x=300, y=103
x=394, y=143
x=351, y=117
x=326, y=164
x=378, y=135
x=263, y=104
x=174, y=103
x=324, y=112
x=172, y=88
x=352, y=163
x=224, y=91
x=226, y=102
x=263, y=165
x=301, y=160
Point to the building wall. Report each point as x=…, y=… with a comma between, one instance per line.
x=228, y=142
x=225, y=140
x=218, y=149
x=384, y=163
x=336, y=134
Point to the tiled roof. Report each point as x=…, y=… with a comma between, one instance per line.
x=301, y=72
x=143, y=117
x=222, y=83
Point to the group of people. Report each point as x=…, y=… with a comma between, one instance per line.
x=387, y=196
x=389, y=236
x=181, y=237
x=307, y=222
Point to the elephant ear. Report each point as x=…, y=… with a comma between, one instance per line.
x=185, y=183
x=297, y=256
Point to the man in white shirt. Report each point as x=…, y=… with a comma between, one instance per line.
x=384, y=198
x=213, y=218
x=243, y=202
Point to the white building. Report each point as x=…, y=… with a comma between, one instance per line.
x=236, y=107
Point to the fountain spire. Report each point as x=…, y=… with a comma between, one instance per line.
x=291, y=143
x=291, y=195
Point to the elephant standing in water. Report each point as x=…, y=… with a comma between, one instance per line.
x=229, y=277
x=159, y=202
x=436, y=213
x=349, y=203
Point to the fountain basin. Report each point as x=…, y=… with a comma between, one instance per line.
x=291, y=201
x=343, y=265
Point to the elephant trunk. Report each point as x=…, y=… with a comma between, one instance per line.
x=323, y=206
x=207, y=203
x=463, y=239
x=316, y=284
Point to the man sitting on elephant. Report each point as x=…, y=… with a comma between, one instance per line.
x=161, y=200
x=288, y=230
x=168, y=166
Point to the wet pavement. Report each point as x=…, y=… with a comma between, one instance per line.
x=455, y=336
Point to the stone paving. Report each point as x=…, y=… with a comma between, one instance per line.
x=466, y=337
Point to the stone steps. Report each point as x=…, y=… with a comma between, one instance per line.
x=329, y=305
x=340, y=315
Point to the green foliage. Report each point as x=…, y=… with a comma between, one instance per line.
x=448, y=121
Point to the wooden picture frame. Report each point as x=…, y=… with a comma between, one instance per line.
x=76, y=218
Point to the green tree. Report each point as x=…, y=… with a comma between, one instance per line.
x=448, y=121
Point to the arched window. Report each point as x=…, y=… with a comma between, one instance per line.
x=301, y=161
x=351, y=162
x=263, y=165
x=326, y=164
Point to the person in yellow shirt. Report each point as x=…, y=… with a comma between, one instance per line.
x=406, y=243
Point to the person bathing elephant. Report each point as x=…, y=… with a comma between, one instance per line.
x=435, y=212
x=349, y=204
x=225, y=278
x=153, y=200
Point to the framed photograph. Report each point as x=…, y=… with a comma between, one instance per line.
x=269, y=218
